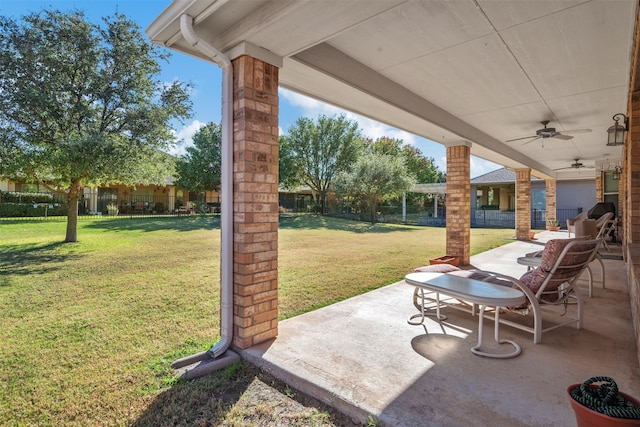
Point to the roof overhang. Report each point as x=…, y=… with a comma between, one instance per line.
x=479, y=72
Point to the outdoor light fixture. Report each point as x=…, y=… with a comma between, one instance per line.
x=616, y=173
x=616, y=132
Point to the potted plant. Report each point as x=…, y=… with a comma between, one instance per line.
x=553, y=225
x=112, y=209
x=603, y=405
x=445, y=259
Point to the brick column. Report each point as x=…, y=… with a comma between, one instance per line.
x=459, y=202
x=523, y=203
x=255, y=203
x=599, y=187
x=550, y=199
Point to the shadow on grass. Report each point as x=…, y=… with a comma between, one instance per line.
x=30, y=259
x=240, y=395
x=150, y=224
x=310, y=221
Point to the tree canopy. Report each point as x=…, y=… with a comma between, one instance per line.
x=375, y=176
x=80, y=105
x=199, y=169
x=316, y=151
x=423, y=168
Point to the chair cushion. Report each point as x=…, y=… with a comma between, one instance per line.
x=535, y=278
x=436, y=268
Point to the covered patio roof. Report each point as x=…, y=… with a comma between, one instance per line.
x=482, y=71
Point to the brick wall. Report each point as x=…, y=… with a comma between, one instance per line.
x=523, y=203
x=255, y=203
x=459, y=202
x=629, y=196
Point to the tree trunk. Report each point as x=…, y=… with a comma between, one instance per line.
x=72, y=214
x=373, y=212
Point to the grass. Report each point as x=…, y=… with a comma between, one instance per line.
x=88, y=329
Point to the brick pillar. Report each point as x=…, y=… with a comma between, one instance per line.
x=255, y=203
x=550, y=199
x=523, y=203
x=459, y=202
x=599, y=187
x=632, y=177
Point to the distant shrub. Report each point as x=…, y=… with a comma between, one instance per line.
x=28, y=210
x=24, y=197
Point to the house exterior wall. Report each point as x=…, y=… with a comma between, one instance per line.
x=7, y=186
x=576, y=194
x=629, y=191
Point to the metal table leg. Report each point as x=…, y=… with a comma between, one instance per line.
x=476, y=350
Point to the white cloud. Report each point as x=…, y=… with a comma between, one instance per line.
x=480, y=166
x=312, y=108
x=184, y=137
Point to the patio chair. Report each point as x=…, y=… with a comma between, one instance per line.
x=138, y=207
x=572, y=221
x=604, y=220
x=551, y=285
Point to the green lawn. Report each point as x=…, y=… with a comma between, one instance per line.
x=88, y=329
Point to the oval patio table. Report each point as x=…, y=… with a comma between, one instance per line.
x=485, y=294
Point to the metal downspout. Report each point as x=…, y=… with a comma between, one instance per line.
x=226, y=223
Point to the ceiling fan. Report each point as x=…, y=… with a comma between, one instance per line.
x=546, y=132
x=577, y=164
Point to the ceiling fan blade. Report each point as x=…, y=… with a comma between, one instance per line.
x=562, y=136
x=575, y=168
x=577, y=131
x=534, y=138
x=520, y=139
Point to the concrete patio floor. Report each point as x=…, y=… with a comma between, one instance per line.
x=362, y=357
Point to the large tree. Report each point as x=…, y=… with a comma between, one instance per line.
x=422, y=167
x=319, y=150
x=80, y=104
x=287, y=168
x=374, y=177
x=199, y=169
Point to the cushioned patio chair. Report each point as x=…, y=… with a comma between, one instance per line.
x=551, y=285
x=571, y=222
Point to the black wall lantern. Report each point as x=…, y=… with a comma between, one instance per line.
x=616, y=132
x=616, y=173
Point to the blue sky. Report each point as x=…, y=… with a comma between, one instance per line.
x=206, y=80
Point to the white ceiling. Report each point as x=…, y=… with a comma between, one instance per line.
x=482, y=71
